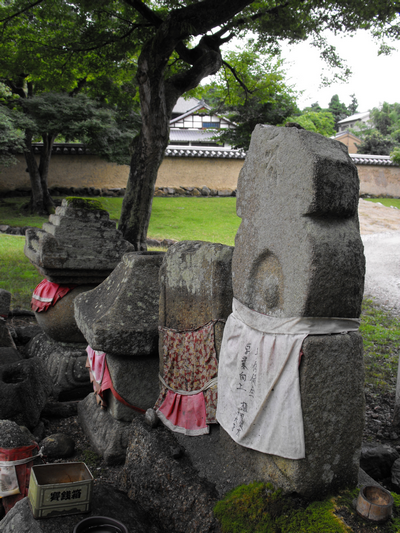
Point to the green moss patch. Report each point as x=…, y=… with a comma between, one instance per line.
x=84, y=203
x=258, y=508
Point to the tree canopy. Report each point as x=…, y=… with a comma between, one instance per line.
x=170, y=46
x=249, y=89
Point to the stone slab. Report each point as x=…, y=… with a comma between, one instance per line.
x=120, y=316
x=108, y=436
x=298, y=250
x=79, y=244
x=136, y=380
x=160, y=477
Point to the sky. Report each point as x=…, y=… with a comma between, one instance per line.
x=375, y=79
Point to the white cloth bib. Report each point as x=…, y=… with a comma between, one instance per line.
x=259, y=402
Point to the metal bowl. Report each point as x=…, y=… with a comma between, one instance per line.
x=374, y=503
x=100, y=524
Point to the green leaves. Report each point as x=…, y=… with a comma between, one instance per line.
x=250, y=89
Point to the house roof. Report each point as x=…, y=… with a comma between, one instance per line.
x=183, y=106
x=354, y=118
x=345, y=133
x=198, y=105
x=190, y=135
x=189, y=107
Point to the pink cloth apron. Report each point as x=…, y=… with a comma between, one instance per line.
x=190, y=363
x=101, y=379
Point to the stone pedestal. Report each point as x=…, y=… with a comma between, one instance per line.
x=65, y=362
x=136, y=380
x=332, y=391
x=109, y=437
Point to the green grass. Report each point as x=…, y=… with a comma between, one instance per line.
x=205, y=219
x=388, y=202
x=381, y=337
x=17, y=274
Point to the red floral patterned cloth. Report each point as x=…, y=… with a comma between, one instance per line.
x=190, y=362
x=47, y=294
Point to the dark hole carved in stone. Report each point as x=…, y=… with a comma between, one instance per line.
x=264, y=288
x=14, y=375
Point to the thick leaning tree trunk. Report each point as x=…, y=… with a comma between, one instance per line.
x=40, y=202
x=158, y=97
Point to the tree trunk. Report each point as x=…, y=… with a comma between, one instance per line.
x=41, y=202
x=158, y=97
x=44, y=163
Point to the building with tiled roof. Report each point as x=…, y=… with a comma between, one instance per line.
x=352, y=120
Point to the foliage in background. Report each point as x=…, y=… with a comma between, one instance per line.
x=376, y=144
x=44, y=80
x=17, y=274
x=321, y=122
x=249, y=89
x=11, y=138
x=325, y=121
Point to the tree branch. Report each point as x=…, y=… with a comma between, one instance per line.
x=238, y=79
x=145, y=11
x=22, y=11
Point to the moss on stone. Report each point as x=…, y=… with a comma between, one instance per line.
x=258, y=508
x=84, y=203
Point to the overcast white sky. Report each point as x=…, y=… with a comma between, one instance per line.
x=375, y=79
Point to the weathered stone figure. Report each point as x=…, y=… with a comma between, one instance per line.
x=299, y=254
x=79, y=246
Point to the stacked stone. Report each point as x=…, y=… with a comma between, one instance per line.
x=120, y=318
x=299, y=253
x=25, y=384
x=79, y=246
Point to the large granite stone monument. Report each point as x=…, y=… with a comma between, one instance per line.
x=298, y=253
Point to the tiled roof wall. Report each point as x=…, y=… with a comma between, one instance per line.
x=223, y=153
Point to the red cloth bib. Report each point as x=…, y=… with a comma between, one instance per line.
x=47, y=294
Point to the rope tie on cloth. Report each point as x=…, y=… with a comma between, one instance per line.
x=208, y=385
x=188, y=396
x=259, y=402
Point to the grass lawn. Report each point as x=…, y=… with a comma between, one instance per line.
x=388, y=202
x=206, y=219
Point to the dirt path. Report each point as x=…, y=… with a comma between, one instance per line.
x=380, y=230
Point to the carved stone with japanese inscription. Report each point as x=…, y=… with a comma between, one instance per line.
x=299, y=253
